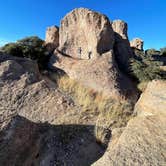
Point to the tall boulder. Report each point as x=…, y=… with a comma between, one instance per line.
x=122, y=46
x=52, y=38
x=85, y=34
x=137, y=43
x=86, y=53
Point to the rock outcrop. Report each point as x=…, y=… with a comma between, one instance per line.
x=100, y=74
x=142, y=142
x=122, y=48
x=85, y=34
x=137, y=43
x=31, y=109
x=153, y=100
x=86, y=52
x=52, y=38
x=25, y=92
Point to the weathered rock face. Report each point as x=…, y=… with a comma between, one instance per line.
x=52, y=38
x=137, y=43
x=24, y=91
x=85, y=34
x=100, y=74
x=120, y=27
x=142, y=142
x=31, y=109
x=153, y=100
x=86, y=52
x=122, y=46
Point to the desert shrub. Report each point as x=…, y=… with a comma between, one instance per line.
x=152, y=51
x=30, y=47
x=145, y=68
x=115, y=114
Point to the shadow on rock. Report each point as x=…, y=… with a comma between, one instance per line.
x=25, y=143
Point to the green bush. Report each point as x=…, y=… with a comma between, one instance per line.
x=152, y=51
x=146, y=68
x=30, y=47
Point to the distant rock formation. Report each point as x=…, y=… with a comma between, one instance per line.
x=122, y=48
x=85, y=34
x=142, y=142
x=137, y=43
x=52, y=38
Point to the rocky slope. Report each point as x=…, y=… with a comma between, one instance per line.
x=31, y=111
x=143, y=141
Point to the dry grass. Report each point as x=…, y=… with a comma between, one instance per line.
x=110, y=112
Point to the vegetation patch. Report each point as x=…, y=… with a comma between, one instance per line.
x=145, y=68
x=30, y=47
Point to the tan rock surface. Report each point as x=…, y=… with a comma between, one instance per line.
x=23, y=91
x=143, y=141
x=52, y=38
x=31, y=109
x=100, y=74
x=153, y=100
x=137, y=43
x=85, y=34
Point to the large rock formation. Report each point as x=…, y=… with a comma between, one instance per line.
x=100, y=74
x=86, y=53
x=122, y=46
x=137, y=43
x=52, y=38
x=142, y=142
x=85, y=34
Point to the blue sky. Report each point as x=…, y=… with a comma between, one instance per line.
x=146, y=18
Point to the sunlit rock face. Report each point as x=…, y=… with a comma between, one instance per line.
x=137, y=43
x=52, y=38
x=85, y=34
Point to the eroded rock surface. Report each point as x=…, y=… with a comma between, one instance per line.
x=52, y=38
x=31, y=109
x=24, y=142
x=25, y=92
x=143, y=141
x=153, y=100
x=86, y=52
x=137, y=43
x=100, y=74
x=85, y=34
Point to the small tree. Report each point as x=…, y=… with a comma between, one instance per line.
x=30, y=47
x=146, y=69
x=152, y=51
